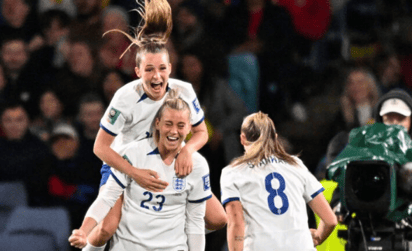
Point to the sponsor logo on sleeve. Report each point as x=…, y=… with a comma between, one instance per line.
x=179, y=184
x=206, y=182
x=196, y=105
x=113, y=115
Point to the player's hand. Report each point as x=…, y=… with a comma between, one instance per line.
x=149, y=180
x=78, y=239
x=183, y=164
x=315, y=237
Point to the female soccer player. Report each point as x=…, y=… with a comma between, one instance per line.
x=132, y=110
x=168, y=220
x=265, y=192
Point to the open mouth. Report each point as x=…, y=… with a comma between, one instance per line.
x=156, y=86
x=172, y=139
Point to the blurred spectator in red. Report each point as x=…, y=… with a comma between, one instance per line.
x=24, y=157
x=311, y=18
x=68, y=185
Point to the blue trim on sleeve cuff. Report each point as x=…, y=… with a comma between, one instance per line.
x=201, y=200
x=117, y=180
x=230, y=199
x=200, y=121
x=107, y=130
x=318, y=192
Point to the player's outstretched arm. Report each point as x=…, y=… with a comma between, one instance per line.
x=148, y=179
x=235, y=226
x=321, y=207
x=184, y=164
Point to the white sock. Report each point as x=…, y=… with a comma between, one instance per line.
x=90, y=247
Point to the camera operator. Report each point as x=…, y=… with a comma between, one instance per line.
x=393, y=108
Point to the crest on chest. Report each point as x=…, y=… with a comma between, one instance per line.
x=179, y=184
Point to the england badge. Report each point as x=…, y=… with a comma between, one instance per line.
x=179, y=184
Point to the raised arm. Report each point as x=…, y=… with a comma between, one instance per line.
x=235, y=226
x=321, y=207
x=148, y=179
x=184, y=163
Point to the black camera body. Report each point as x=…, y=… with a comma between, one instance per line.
x=368, y=172
x=376, y=205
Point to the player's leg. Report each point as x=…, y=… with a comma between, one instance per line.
x=215, y=217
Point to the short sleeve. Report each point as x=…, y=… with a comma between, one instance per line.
x=200, y=178
x=312, y=187
x=227, y=186
x=116, y=114
x=197, y=114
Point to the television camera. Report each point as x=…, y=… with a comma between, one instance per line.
x=374, y=175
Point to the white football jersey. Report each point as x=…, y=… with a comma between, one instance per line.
x=156, y=221
x=131, y=112
x=273, y=196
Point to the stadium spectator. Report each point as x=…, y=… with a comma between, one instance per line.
x=24, y=157
x=51, y=114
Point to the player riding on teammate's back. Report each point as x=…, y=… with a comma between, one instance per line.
x=131, y=111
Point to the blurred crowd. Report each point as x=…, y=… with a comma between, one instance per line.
x=317, y=67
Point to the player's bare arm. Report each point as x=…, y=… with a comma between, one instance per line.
x=147, y=179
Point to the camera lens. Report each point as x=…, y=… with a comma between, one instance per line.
x=370, y=183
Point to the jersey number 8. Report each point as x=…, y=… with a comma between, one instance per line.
x=276, y=192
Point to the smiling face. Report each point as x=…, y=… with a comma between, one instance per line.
x=154, y=70
x=173, y=127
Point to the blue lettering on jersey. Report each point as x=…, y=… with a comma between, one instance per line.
x=179, y=184
x=206, y=182
x=196, y=105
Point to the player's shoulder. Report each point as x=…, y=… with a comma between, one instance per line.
x=231, y=170
x=199, y=162
x=183, y=87
x=131, y=90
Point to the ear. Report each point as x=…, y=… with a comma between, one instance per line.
x=170, y=68
x=137, y=71
x=157, y=122
x=243, y=139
